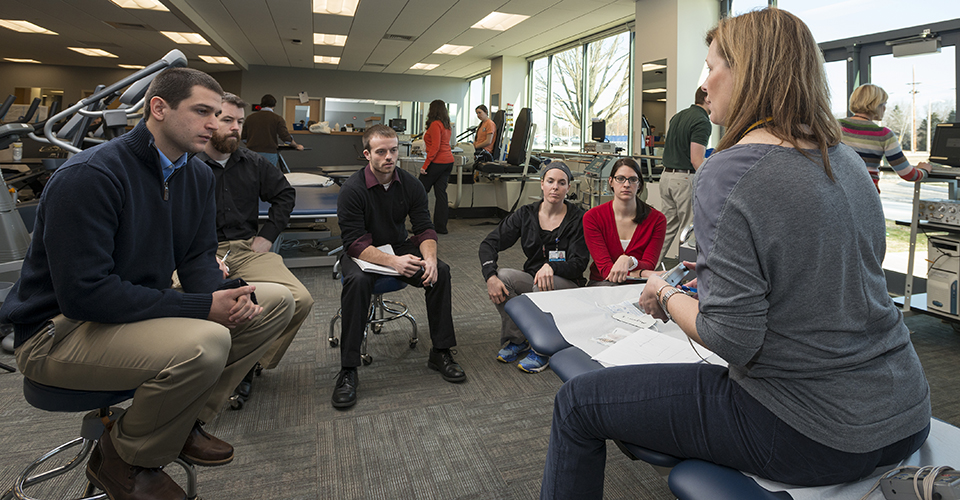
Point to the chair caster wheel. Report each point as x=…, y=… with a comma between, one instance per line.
x=367, y=359
x=236, y=402
x=377, y=329
x=413, y=343
x=334, y=342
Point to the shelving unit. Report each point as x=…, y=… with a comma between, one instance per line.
x=915, y=224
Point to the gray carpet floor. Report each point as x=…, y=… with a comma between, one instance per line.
x=411, y=435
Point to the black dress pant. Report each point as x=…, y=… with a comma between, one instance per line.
x=355, y=304
x=437, y=177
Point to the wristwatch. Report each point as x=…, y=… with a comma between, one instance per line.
x=633, y=263
x=664, y=298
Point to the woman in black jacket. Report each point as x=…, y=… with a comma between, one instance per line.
x=550, y=232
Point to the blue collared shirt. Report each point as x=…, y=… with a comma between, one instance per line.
x=170, y=167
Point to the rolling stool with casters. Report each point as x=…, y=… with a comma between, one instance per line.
x=377, y=315
x=56, y=399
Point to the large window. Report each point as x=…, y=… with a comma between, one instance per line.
x=837, y=81
x=539, y=102
x=572, y=87
x=608, y=84
x=833, y=20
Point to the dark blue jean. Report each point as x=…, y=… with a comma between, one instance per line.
x=688, y=411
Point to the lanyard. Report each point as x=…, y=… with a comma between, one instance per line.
x=758, y=124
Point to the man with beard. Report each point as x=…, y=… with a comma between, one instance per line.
x=243, y=178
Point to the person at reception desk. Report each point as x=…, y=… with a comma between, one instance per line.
x=873, y=142
x=264, y=129
x=550, y=232
x=486, y=132
x=823, y=384
x=243, y=178
x=625, y=234
x=435, y=172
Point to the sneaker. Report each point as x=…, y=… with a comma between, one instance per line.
x=512, y=351
x=534, y=363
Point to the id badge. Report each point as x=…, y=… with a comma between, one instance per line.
x=557, y=256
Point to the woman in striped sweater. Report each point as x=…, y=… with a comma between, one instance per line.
x=871, y=141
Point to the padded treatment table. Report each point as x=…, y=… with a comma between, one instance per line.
x=313, y=215
x=561, y=323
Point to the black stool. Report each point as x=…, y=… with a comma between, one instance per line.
x=56, y=399
x=377, y=317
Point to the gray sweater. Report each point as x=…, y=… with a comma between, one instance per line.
x=792, y=295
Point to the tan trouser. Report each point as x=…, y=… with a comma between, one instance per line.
x=268, y=267
x=182, y=369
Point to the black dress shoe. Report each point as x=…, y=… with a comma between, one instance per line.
x=246, y=385
x=443, y=362
x=345, y=392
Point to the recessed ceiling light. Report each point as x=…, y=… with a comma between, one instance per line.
x=499, y=21
x=92, y=52
x=654, y=91
x=25, y=27
x=653, y=66
x=661, y=100
x=453, y=50
x=326, y=60
x=16, y=60
x=185, y=38
x=324, y=39
x=216, y=59
x=425, y=66
x=141, y=4
x=335, y=7
x=131, y=66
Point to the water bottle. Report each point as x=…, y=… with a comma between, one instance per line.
x=17, y=151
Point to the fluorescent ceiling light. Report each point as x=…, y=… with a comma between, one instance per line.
x=131, y=66
x=425, y=66
x=92, y=52
x=653, y=66
x=326, y=60
x=654, y=91
x=453, y=50
x=335, y=7
x=499, y=21
x=216, y=59
x=324, y=39
x=25, y=27
x=14, y=59
x=185, y=38
x=662, y=100
x=141, y=4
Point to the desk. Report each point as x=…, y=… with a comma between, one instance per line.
x=313, y=214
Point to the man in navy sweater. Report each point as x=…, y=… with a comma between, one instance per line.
x=372, y=210
x=94, y=308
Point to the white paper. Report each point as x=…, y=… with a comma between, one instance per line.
x=647, y=346
x=370, y=267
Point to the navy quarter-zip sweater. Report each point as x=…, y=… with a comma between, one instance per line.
x=109, y=234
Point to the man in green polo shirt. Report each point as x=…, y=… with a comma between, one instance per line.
x=683, y=152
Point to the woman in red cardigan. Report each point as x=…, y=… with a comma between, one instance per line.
x=624, y=235
x=436, y=169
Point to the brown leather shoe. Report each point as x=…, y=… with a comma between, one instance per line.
x=122, y=481
x=203, y=449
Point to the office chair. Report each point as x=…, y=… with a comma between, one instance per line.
x=517, y=157
x=103, y=411
x=381, y=311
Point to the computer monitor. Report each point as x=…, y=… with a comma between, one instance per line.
x=945, y=149
x=599, y=130
x=398, y=124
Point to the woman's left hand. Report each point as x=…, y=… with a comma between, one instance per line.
x=620, y=269
x=423, y=171
x=648, y=298
x=544, y=278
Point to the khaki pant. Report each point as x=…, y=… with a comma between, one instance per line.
x=676, y=203
x=268, y=267
x=182, y=369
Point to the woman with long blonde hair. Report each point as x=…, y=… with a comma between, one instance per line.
x=822, y=384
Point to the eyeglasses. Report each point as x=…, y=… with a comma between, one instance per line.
x=629, y=180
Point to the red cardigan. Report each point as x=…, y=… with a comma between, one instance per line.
x=600, y=232
x=437, y=143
